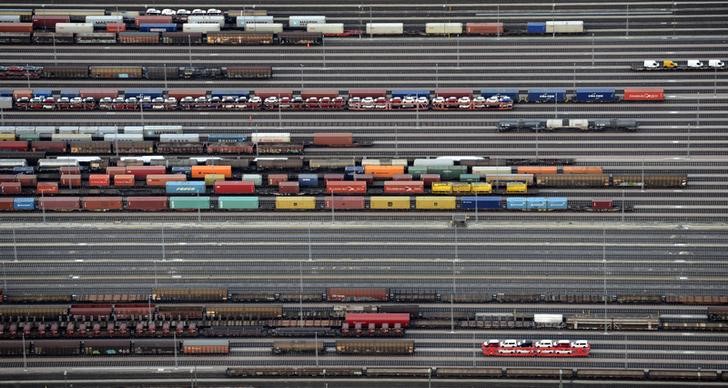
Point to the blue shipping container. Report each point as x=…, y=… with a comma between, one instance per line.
x=6, y=92
x=188, y=187
x=536, y=203
x=483, y=203
x=536, y=27
x=308, y=180
x=351, y=170
x=595, y=95
x=512, y=93
x=143, y=92
x=230, y=92
x=158, y=27
x=182, y=170
x=546, y=95
x=23, y=170
x=226, y=138
x=24, y=204
x=557, y=203
x=413, y=93
x=516, y=203
x=70, y=93
x=42, y=93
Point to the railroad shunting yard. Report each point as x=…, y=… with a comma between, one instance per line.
x=372, y=194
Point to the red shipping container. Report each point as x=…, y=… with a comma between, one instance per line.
x=230, y=148
x=346, y=187
x=8, y=178
x=331, y=93
x=180, y=93
x=98, y=93
x=275, y=179
x=143, y=171
x=70, y=181
x=357, y=294
x=367, y=92
x=16, y=27
x=369, y=178
x=234, y=187
x=273, y=92
x=115, y=27
x=48, y=146
x=404, y=187
x=47, y=188
x=453, y=92
x=333, y=177
x=27, y=180
x=116, y=171
x=160, y=180
x=99, y=180
x=146, y=203
x=602, y=204
x=6, y=203
x=49, y=22
x=344, y=203
x=483, y=28
x=139, y=20
x=7, y=188
x=336, y=139
x=101, y=203
x=20, y=93
x=14, y=145
x=70, y=170
x=288, y=188
x=59, y=203
x=124, y=180
x=402, y=177
x=429, y=178
x=644, y=94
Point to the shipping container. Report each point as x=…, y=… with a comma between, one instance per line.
x=59, y=203
x=234, y=187
x=484, y=28
x=443, y=28
x=346, y=187
x=644, y=94
x=238, y=203
x=75, y=28
x=241, y=21
x=201, y=171
x=385, y=28
x=308, y=180
x=132, y=37
x=146, y=203
x=595, y=95
x=211, y=179
x=289, y=187
x=149, y=19
x=49, y=22
x=158, y=27
x=536, y=28
x=404, y=187
x=115, y=27
x=16, y=27
x=482, y=203
x=344, y=203
x=564, y=27
x=102, y=203
x=336, y=139
x=207, y=19
x=24, y=203
x=435, y=203
x=160, y=180
x=184, y=187
x=273, y=28
x=295, y=203
x=102, y=21
x=383, y=172
x=141, y=172
x=326, y=28
x=546, y=95
x=204, y=27
x=384, y=203
x=189, y=203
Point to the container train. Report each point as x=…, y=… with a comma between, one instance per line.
x=113, y=347
x=170, y=73
x=581, y=125
x=312, y=99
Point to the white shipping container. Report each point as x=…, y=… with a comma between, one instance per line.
x=303, y=21
x=125, y=14
x=264, y=27
x=41, y=130
x=564, y=27
x=89, y=130
x=8, y=128
x=9, y=18
x=385, y=28
x=257, y=179
x=106, y=130
x=102, y=21
x=134, y=130
x=201, y=27
x=123, y=137
x=271, y=137
x=370, y=162
x=68, y=129
x=71, y=136
x=580, y=124
x=432, y=162
x=207, y=19
x=74, y=28
x=548, y=318
x=6, y=103
x=241, y=21
x=179, y=138
x=159, y=129
x=326, y=28
x=491, y=170
x=443, y=28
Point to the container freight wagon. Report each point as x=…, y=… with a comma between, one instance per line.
x=373, y=347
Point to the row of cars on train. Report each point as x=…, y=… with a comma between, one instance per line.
x=171, y=73
x=309, y=99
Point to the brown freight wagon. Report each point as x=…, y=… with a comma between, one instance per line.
x=38, y=298
x=181, y=312
x=344, y=203
x=335, y=139
x=279, y=164
x=180, y=38
x=284, y=148
x=230, y=148
x=6, y=203
x=102, y=203
x=375, y=346
x=90, y=147
x=59, y=203
x=110, y=298
x=300, y=37
x=10, y=188
x=16, y=27
x=483, y=28
x=114, y=72
x=180, y=148
x=134, y=147
x=161, y=72
x=15, y=37
x=575, y=180
x=289, y=188
x=242, y=311
x=70, y=170
x=248, y=72
x=146, y=203
x=91, y=310
x=57, y=38
x=49, y=22
x=138, y=37
x=316, y=164
x=205, y=346
x=239, y=38
x=168, y=294
x=281, y=347
x=650, y=181
x=357, y=294
x=126, y=311
x=96, y=38
x=65, y=72
x=33, y=312
x=27, y=180
x=69, y=181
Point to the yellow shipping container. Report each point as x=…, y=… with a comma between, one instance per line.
x=295, y=203
x=383, y=202
x=516, y=187
x=435, y=203
x=7, y=136
x=210, y=179
x=481, y=188
x=460, y=188
x=441, y=188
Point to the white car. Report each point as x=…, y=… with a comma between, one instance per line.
x=214, y=11
x=580, y=344
x=182, y=12
x=651, y=64
x=545, y=344
x=153, y=11
x=695, y=64
x=509, y=343
x=168, y=12
x=198, y=11
x=716, y=63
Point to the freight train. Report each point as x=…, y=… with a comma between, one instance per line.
x=557, y=374
x=170, y=73
x=113, y=347
x=581, y=125
x=313, y=99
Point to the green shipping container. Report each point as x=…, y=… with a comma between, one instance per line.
x=238, y=203
x=257, y=179
x=448, y=173
x=416, y=171
x=29, y=136
x=189, y=202
x=469, y=178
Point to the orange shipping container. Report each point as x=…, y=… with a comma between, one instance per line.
x=10, y=188
x=116, y=170
x=98, y=180
x=124, y=180
x=101, y=203
x=583, y=170
x=70, y=180
x=115, y=27
x=47, y=188
x=160, y=180
x=383, y=172
x=537, y=170
x=201, y=171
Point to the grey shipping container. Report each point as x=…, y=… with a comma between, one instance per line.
x=161, y=72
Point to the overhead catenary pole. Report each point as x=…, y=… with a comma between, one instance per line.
x=55, y=54
x=452, y=294
x=189, y=49
x=604, y=263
